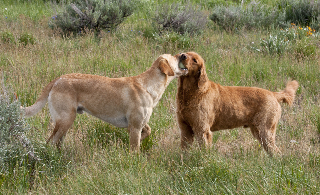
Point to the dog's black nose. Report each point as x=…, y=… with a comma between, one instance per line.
x=183, y=57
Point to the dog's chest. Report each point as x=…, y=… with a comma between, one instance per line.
x=188, y=107
x=155, y=93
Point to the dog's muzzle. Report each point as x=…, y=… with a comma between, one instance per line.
x=183, y=57
x=181, y=65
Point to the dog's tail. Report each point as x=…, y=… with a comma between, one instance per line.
x=41, y=101
x=288, y=94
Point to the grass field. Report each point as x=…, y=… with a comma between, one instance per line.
x=95, y=158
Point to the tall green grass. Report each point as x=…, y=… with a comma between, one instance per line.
x=12, y=10
x=95, y=158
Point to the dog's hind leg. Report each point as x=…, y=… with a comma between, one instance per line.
x=270, y=138
x=61, y=128
x=266, y=137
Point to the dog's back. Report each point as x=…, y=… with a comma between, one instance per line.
x=236, y=106
x=239, y=106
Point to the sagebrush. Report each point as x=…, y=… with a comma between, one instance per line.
x=81, y=16
x=12, y=133
x=180, y=18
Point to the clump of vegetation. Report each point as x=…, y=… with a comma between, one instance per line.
x=27, y=38
x=294, y=37
x=7, y=37
x=15, y=148
x=257, y=15
x=229, y=18
x=182, y=19
x=303, y=12
x=254, y=15
x=274, y=44
x=95, y=15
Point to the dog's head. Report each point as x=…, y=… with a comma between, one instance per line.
x=169, y=65
x=194, y=63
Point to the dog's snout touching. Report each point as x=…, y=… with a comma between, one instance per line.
x=183, y=57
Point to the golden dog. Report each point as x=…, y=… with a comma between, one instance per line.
x=123, y=102
x=204, y=106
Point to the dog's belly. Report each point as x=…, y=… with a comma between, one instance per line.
x=231, y=122
x=121, y=122
x=230, y=125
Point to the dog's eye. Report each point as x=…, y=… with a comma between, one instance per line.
x=194, y=60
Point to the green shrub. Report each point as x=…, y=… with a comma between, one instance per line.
x=294, y=38
x=180, y=18
x=27, y=38
x=274, y=44
x=259, y=15
x=229, y=18
x=7, y=37
x=12, y=134
x=149, y=32
x=302, y=12
x=83, y=15
x=278, y=42
x=254, y=15
x=315, y=24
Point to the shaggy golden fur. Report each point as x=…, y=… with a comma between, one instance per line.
x=124, y=102
x=204, y=106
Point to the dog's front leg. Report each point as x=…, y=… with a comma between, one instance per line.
x=186, y=133
x=146, y=131
x=138, y=128
x=134, y=137
x=204, y=136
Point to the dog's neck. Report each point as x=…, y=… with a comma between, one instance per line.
x=187, y=83
x=189, y=87
x=154, y=82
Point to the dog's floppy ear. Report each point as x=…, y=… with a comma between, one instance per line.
x=165, y=68
x=203, y=78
